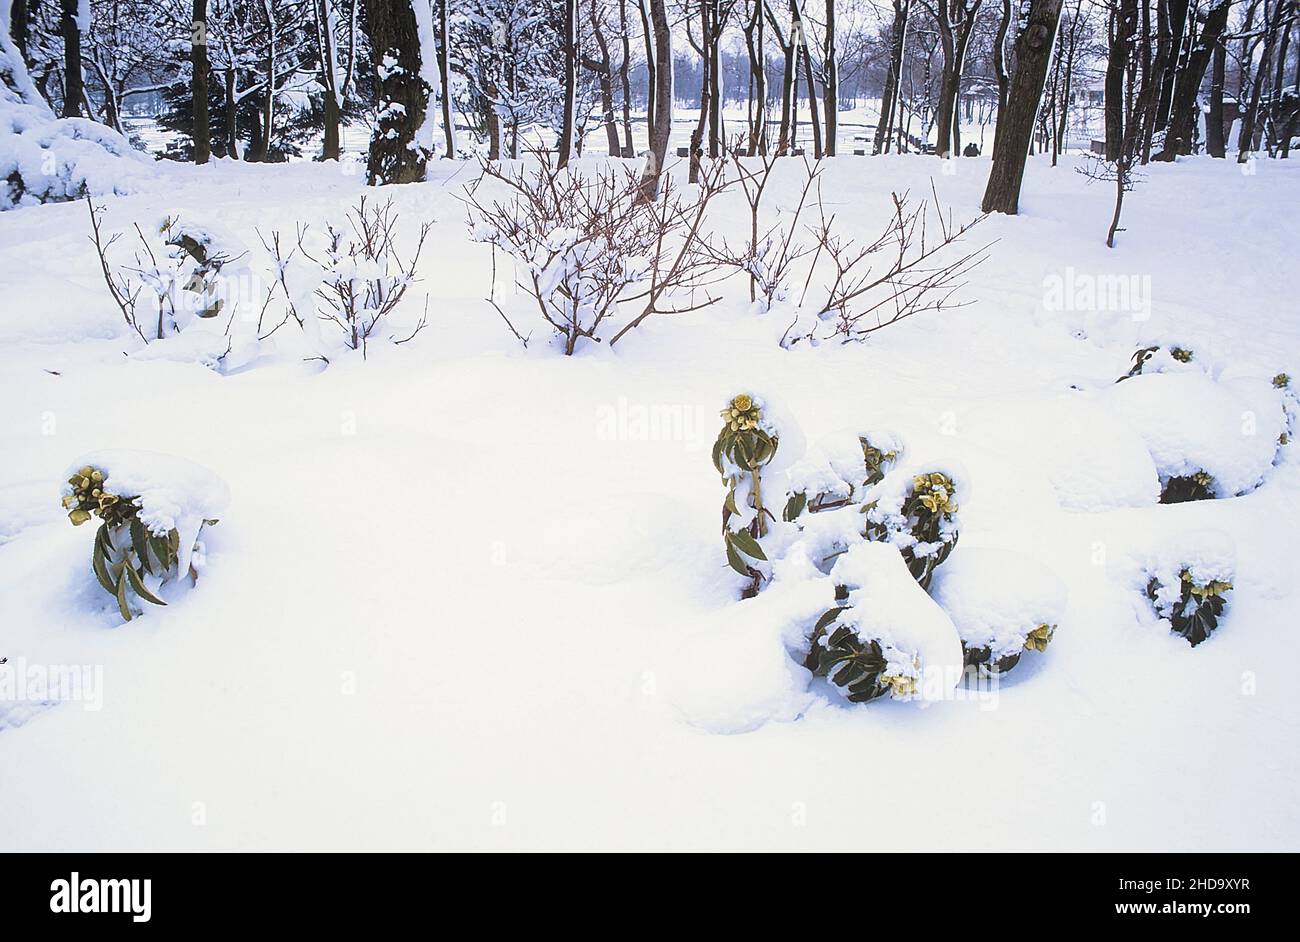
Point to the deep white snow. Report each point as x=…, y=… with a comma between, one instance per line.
x=468, y=595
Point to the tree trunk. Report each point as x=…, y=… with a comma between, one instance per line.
x=662, y=123
x=706, y=89
x=403, y=95
x=331, y=147
x=74, y=83
x=444, y=82
x=830, y=80
x=813, y=116
x=605, y=79
x=201, y=133
x=1000, y=70
x=570, y=80
x=1180, y=35
x=652, y=76
x=1123, y=25
x=625, y=80
x=714, y=49
x=1183, y=110
x=893, y=78
x=754, y=43
x=20, y=29
x=1033, y=56
x=1215, y=145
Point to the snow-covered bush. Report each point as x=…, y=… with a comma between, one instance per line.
x=844, y=467
x=745, y=445
x=1170, y=358
x=353, y=275
x=1207, y=439
x=584, y=242
x=916, y=511
x=1188, y=580
x=44, y=158
x=883, y=635
x=1003, y=603
x=153, y=509
x=177, y=274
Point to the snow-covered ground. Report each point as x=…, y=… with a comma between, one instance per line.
x=465, y=597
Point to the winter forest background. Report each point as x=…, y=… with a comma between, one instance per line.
x=643, y=424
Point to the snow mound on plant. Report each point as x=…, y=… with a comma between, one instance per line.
x=173, y=493
x=44, y=158
x=1191, y=423
x=886, y=604
x=1207, y=555
x=1095, y=461
x=996, y=597
x=735, y=674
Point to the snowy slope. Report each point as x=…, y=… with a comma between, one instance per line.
x=463, y=599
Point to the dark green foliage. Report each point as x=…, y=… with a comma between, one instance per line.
x=1140, y=358
x=984, y=660
x=1188, y=487
x=120, y=565
x=837, y=653
x=1196, y=614
x=743, y=447
x=927, y=508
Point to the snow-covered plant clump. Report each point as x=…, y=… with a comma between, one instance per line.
x=1169, y=358
x=916, y=511
x=1003, y=604
x=1207, y=441
x=845, y=467
x=44, y=158
x=1188, y=581
x=152, y=509
x=178, y=273
x=747, y=442
x=353, y=276
x=580, y=242
x=883, y=635
x=583, y=243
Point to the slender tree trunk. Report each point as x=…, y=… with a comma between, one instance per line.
x=331, y=147
x=830, y=83
x=1180, y=36
x=1000, y=69
x=1033, y=56
x=202, y=133
x=1123, y=25
x=813, y=117
x=232, y=116
x=625, y=81
x=651, y=67
x=714, y=49
x=570, y=80
x=662, y=123
x=706, y=89
x=74, y=88
x=444, y=82
x=754, y=44
x=20, y=29
x=605, y=79
x=403, y=95
x=1215, y=145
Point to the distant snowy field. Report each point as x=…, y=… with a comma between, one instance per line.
x=462, y=598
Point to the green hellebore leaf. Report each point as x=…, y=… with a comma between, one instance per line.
x=138, y=585
x=748, y=545
x=122, y=605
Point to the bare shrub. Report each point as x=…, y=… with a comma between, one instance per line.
x=585, y=243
